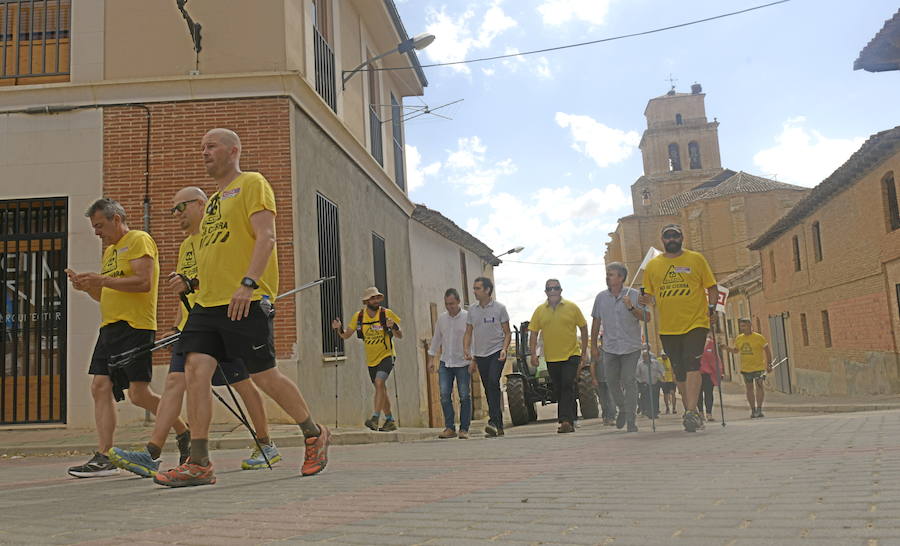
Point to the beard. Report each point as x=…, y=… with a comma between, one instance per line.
x=673, y=247
x=373, y=307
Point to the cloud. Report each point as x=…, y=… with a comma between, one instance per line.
x=804, y=156
x=467, y=166
x=415, y=172
x=559, y=12
x=605, y=145
x=456, y=37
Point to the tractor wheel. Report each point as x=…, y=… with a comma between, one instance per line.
x=587, y=395
x=515, y=399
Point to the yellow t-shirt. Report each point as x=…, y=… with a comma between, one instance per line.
x=136, y=308
x=559, y=327
x=187, y=266
x=227, y=241
x=667, y=364
x=378, y=345
x=679, y=285
x=752, y=350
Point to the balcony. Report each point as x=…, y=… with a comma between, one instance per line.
x=34, y=41
x=325, y=80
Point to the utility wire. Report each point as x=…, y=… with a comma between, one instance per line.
x=544, y=263
x=580, y=44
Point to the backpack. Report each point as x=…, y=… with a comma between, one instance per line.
x=382, y=319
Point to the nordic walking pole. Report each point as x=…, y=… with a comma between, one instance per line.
x=719, y=373
x=396, y=392
x=649, y=371
x=335, y=388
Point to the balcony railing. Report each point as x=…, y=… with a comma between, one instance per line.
x=34, y=41
x=375, y=138
x=325, y=81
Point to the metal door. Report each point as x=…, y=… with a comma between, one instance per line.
x=778, y=343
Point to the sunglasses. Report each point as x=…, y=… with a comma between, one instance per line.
x=553, y=289
x=671, y=236
x=181, y=206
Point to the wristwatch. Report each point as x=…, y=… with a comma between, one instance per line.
x=249, y=283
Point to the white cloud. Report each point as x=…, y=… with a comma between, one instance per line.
x=415, y=172
x=468, y=167
x=542, y=68
x=455, y=37
x=804, y=156
x=603, y=144
x=558, y=12
x=488, y=71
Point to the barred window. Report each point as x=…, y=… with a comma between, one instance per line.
x=329, y=265
x=34, y=41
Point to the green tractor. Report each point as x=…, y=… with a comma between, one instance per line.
x=526, y=386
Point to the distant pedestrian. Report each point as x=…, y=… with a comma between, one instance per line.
x=559, y=320
x=753, y=347
x=682, y=286
x=448, y=340
x=487, y=338
x=616, y=310
x=668, y=383
x=649, y=383
x=709, y=376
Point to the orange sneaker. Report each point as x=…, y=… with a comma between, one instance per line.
x=186, y=475
x=316, y=456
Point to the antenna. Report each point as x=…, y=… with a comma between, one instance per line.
x=423, y=110
x=671, y=81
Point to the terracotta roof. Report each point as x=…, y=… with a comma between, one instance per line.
x=743, y=278
x=738, y=182
x=883, y=51
x=873, y=152
x=448, y=229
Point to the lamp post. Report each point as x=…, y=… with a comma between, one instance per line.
x=513, y=250
x=420, y=41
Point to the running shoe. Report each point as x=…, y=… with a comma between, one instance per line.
x=138, y=462
x=98, y=467
x=490, y=431
x=371, y=423
x=564, y=427
x=463, y=434
x=759, y=413
x=256, y=460
x=389, y=426
x=500, y=431
x=620, y=419
x=753, y=413
x=692, y=421
x=316, y=456
x=186, y=475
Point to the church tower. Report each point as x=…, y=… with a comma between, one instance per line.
x=680, y=148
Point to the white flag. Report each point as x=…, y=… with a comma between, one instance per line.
x=652, y=253
x=723, y=297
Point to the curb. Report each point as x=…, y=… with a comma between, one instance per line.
x=820, y=409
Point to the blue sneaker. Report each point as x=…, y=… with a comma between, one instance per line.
x=256, y=460
x=139, y=462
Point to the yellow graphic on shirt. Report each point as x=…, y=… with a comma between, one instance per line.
x=674, y=284
x=138, y=309
x=752, y=349
x=378, y=344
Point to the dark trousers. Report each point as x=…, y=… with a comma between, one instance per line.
x=649, y=394
x=706, y=393
x=490, y=368
x=563, y=375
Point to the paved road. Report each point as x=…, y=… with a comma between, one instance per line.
x=812, y=480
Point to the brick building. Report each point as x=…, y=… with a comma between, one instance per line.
x=112, y=97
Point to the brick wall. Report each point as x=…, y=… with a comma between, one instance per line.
x=176, y=130
x=861, y=323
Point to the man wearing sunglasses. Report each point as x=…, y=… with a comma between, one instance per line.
x=559, y=320
x=681, y=285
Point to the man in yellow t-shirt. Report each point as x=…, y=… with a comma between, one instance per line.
x=753, y=348
x=232, y=318
x=682, y=286
x=126, y=288
x=559, y=321
x=376, y=326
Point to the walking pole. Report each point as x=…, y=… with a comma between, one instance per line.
x=719, y=373
x=649, y=372
x=335, y=388
x=396, y=392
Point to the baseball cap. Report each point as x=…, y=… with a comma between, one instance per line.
x=672, y=227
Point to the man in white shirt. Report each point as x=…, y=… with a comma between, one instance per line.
x=448, y=340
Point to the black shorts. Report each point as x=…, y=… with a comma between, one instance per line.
x=684, y=351
x=209, y=331
x=750, y=377
x=116, y=338
x=667, y=386
x=232, y=371
x=385, y=366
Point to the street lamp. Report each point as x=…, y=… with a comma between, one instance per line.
x=511, y=251
x=418, y=42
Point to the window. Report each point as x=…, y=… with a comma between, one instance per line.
x=34, y=39
x=379, y=261
x=817, y=241
x=322, y=18
x=374, y=119
x=397, y=136
x=826, y=329
x=674, y=157
x=795, y=243
x=772, y=265
x=694, y=154
x=804, y=329
x=891, y=209
x=678, y=120
x=324, y=55
x=329, y=264
x=465, y=277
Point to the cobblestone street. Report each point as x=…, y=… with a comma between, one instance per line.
x=824, y=479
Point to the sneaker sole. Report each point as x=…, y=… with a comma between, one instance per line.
x=186, y=483
x=134, y=468
x=245, y=465
x=97, y=474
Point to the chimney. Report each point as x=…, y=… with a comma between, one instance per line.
x=696, y=89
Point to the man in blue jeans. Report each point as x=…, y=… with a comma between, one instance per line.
x=487, y=337
x=448, y=340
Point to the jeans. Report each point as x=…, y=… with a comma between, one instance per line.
x=463, y=383
x=563, y=375
x=620, y=372
x=607, y=404
x=490, y=368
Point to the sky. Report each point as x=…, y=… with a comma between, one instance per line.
x=542, y=150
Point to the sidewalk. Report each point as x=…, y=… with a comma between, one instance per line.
x=734, y=397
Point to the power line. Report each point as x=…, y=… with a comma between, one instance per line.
x=580, y=44
x=544, y=263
